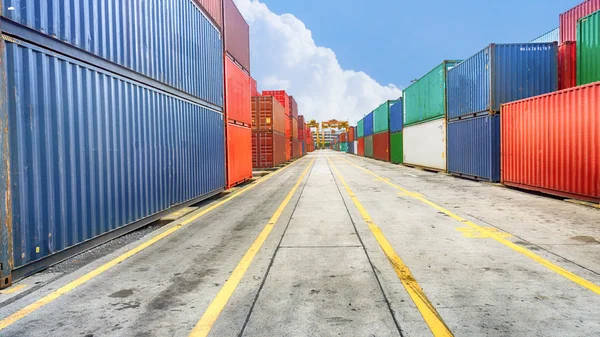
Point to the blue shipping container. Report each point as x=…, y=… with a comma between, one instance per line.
x=92, y=152
x=170, y=41
x=474, y=148
x=499, y=74
x=350, y=147
x=368, y=120
x=396, y=116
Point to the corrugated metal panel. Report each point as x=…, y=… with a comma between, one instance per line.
x=293, y=107
x=567, y=65
x=92, y=152
x=397, y=147
x=588, y=49
x=294, y=127
x=499, y=74
x=368, y=124
x=551, y=36
x=381, y=146
x=239, y=154
x=369, y=146
x=344, y=147
x=352, y=134
x=281, y=96
x=397, y=116
x=238, y=95
x=154, y=39
x=268, y=149
x=474, y=148
x=267, y=114
x=360, y=150
x=254, y=87
x=360, y=128
x=214, y=9
x=381, y=117
x=237, y=35
x=425, y=144
x=550, y=143
x=425, y=99
x=301, y=127
x=568, y=19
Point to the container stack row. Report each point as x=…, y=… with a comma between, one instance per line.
x=524, y=114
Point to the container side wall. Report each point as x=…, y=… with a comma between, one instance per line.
x=368, y=126
x=237, y=35
x=360, y=128
x=425, y=144
x=92, y=152
x=567, y=65
x=381, y=146
x=369, y=146
x=588, y=49
x=397, y=116
x=267, y=114
x=568, y=19
x=238, y=91
x=381, y=118
x=361, y=147
x=396, y=147
x=474, y=148
x=469, y=85
x=239, y=153
x=214, y=9
x=550, y=143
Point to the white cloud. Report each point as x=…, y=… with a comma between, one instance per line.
x=285, y=56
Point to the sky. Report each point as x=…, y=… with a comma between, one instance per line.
x=341, y=59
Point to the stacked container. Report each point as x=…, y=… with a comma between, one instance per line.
x=268, y=132
x=588, y=49
x=302, y=134
x=550, y=143
x=568, y=20
x=381, y=131
x=396, y=137
x=360, y=134
x=283, y=98
x=368, y=131
x=424, y=128
x=567, y=65
x=476, y=89
x=83, y=113
x=294, y=143
x=352, y=140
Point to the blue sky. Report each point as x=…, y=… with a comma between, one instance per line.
x=395, y=41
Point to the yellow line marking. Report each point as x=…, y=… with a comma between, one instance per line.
x=13, y=289
x=215, y=308
x=430, y=315
x=92, y=274
x=496, y=236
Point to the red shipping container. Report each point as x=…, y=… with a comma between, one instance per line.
x=289, y=150
x=381, y=146
x=301, y=127
x=343, y=137
x=567, y=65
x=294, y=126
x=254, y=87
x=550, y=143
x=237, y=93
x=361, y=147
x=214, y=9
x=293, y=107
x=351, y=134
x=267, y=114
x=296, y=150
x=268, y=149
x=568, y=19
x=281, y=96
x=237, y=35
x=239, y=154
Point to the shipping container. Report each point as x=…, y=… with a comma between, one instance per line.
x=551, y=36
x=568, y=19
x=567, y=65
x=381, y=146
x=343, y=137
x=369, y=146
x=360, y=129
x=352, y=147
x=352, y=134
x=588, y=49
x=474, y=148
x=301, y=128
x=289, y=149
x=550, y=143
x=397, y=116
x=360, y=150
x=237, y=35
x=239, y=154
x=294, y=127
x=267, y=114
x=498, y=74
x=136, y=41
x=268, y=149
x=396, y=147
x=381, y=117
x=295, y=148
x=424, y=144
x=254, y=87
x=343, y=146
x=368, y=124
x=303, y=148
x=281, y=96
x=94, y=153
x=237, y=94
x=426, y=99
x=214, y=10
x=293, y=107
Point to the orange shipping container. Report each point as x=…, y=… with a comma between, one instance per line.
x=239, y=154
x=293, y=107
x=294, y=126
x=550, y=143
x=268, y=149
x=214, y=9
x=237, y=93
x=351, y=134
x=282, y=97
x=289, y=150
x=267, y=114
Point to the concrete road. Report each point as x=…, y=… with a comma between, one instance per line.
x=337, y=245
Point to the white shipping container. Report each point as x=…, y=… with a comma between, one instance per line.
x=355, y=148
x=425, y=144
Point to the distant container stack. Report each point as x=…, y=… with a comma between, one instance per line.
x=293, y=120
x=352, y=140
x=424, y=127
x=477, y=87
x=368, y=131
x=284, y=99
x=396, y=136
x=381, y=131
x=302, y=134
x=360, y=134
x=268, y=132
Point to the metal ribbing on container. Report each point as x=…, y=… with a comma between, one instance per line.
x=568, y=19
x=588, y=49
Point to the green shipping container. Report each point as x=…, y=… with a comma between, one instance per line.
x=588, y=49
x=344, y=147
x=425, y=99
x=381, y=117
x=360, y=128
x=396, y=146
x=369, y=146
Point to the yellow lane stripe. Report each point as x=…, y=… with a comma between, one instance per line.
x=492, y=234
x=13, y=289
x=215, y=308
x=430, y=315
x=92, y=274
